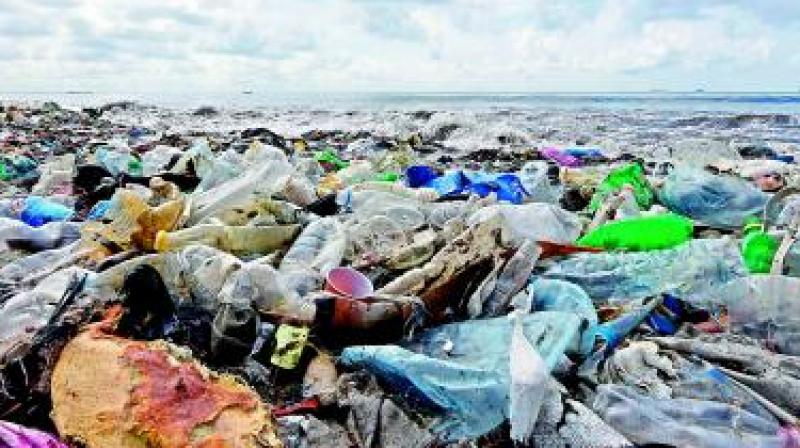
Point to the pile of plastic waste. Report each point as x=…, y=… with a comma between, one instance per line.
x=248, y=289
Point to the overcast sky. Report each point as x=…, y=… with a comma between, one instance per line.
x=398, y=45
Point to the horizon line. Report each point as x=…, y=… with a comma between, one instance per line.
x=408, y=92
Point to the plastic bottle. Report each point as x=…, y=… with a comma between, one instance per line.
x=116, y=160
x=39, y=211
x=318, y=249
x=268, y=178
x=758, y=248
x=234, y=239
x=217, y=170
x=689, y=271
x=58, y=171
x=330, y=158
x=628, y=207
x=640, y=233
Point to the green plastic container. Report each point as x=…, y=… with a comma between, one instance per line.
x=387, y=176
x=641, y=233
x=758, y=248
x=328, y=156
x=631, y=174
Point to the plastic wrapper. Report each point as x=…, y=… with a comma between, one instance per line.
x=529, y=381
x=39, y=211
x=538, y=188
x=552, y=223
x=16, y=436
x=18, y=235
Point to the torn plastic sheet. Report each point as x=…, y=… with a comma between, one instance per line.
x=461, y=369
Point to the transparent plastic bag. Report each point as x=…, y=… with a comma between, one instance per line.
x=682, y=421
x=766, y=307
x=719, y=201
x=534, y=222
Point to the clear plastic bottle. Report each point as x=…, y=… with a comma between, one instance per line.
x=690, y=271
x=271, y=177
x=318, y=249
x=235, y=239
x=156, y=160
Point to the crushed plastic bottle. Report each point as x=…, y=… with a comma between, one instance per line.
x=235, y=239
x=688, y=271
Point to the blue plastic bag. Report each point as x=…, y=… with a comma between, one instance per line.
x=99, y=210
x=508, y=187
x=420, y=176
x=38, y=211
x=461, y=370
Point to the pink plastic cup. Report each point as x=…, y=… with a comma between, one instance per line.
x=347, y=282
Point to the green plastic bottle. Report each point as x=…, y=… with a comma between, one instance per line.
x=631, y=174
x=134, y=166
x=641, y=233
x=329, y=157
x=3, y=174
x=387, y=176
x=758, y=248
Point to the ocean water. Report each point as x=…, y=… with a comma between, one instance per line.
x=787, y=102
x=655, y=123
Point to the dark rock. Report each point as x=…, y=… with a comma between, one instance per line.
x=573, y=200
x=422, y=115
x=756, y=152
x=444, y=131
x=205, y=111
x=266, y=136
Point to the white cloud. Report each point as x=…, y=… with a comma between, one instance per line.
x=207, y=45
